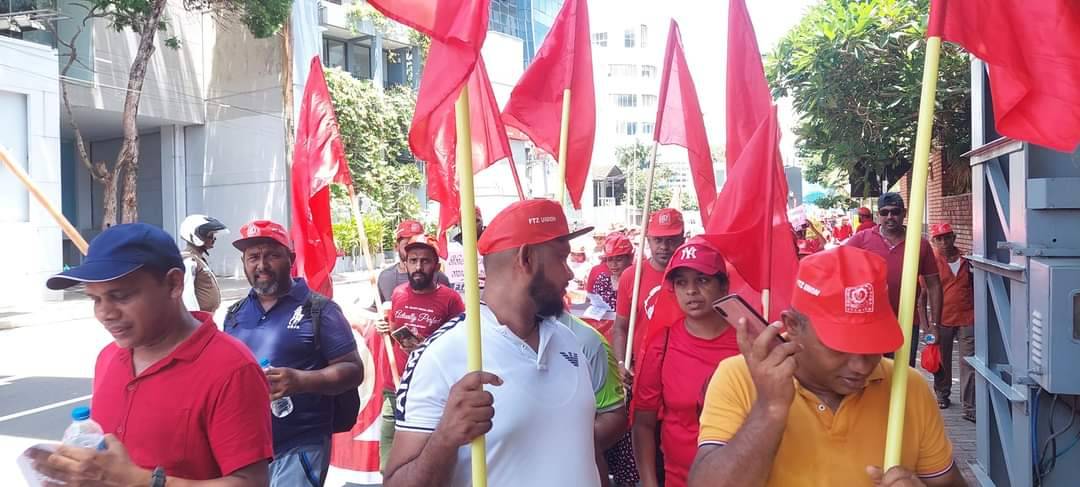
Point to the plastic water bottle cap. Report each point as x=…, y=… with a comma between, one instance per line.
x=81, y=413
x=264, y=363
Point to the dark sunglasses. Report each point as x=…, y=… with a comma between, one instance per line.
x=893, y=212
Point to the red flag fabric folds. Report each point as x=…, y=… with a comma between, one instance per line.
x=1031, y=50
x=358, y=450
x=318, y=160
x=535, y=106
x=679, y=120
x=433, y=138
x=748, y=96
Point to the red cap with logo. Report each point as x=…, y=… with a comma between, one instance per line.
x=844, y=293
x=939, y=229
x=618, y=244
x=525, y=223
x=256, y=230
x=698, y=254
x=409, y=229
x=665, y=222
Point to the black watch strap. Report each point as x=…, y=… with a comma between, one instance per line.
x=157, y=478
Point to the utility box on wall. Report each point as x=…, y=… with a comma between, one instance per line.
x=1054, y=286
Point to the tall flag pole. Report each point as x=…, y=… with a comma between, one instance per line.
x=541, y=104
x=639, y=259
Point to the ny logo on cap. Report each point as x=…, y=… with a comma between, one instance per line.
x=859, y=299
x=689, y=253
x=665, y=218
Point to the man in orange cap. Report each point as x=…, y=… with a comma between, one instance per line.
x=866, y=220
x=664, y=234
x=957, y=318
x=542, y=434
x=396, y=274
x=813, y=410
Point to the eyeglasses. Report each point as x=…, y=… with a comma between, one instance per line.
x=893, y=212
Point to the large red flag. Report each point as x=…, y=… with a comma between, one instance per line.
x=354, y=455
x=1031, y=49
x=748, y=96
x=433, y=138
x=679, y=120
x=318, y=160
x=535, y=106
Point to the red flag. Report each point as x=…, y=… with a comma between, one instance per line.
x=1031, y=50
x=535, y=106
x=433, y=138
x=742, y=222
x=679, y=120
x=318, y=160
x=748, y=96
x=358, y=450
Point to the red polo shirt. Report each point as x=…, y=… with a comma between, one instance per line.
x=873, y=241
x=201, y=413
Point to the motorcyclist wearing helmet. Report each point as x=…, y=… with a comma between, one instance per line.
x=201, y=291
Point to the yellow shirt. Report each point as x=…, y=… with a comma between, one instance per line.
x=826, y=448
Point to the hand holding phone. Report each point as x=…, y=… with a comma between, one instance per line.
x=406, y=338
x=733, y=307
x=770, y=358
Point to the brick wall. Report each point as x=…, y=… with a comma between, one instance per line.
x=955, y=209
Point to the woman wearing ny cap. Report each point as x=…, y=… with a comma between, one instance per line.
x=677, y=363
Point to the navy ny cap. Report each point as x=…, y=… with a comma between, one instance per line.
x=119, y=251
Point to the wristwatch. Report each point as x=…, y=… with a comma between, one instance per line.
x=157, y=478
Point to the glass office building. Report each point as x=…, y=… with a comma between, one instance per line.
x=528, y=20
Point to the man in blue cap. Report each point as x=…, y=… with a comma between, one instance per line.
x=176, y=396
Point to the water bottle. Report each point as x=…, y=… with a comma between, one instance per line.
x=929, y=339
x=278, y=407
x=83, y=431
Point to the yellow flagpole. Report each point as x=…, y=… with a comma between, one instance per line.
x=639, y=261
x=35, y=191
x=898, y=397
x=472, y=274
x=564, y=137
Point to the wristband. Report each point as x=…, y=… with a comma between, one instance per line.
x=157, y=478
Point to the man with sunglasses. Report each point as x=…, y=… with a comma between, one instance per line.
x=887, y=240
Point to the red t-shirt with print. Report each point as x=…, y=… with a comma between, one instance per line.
x=423, y=313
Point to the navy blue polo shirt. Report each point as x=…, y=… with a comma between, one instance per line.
x=285, y=335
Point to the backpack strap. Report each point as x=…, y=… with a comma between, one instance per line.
x=313, y=307
x=230, y=314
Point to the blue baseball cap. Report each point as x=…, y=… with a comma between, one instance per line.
x=119, y=251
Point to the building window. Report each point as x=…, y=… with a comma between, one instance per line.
x=625, y=100
x=622, y=70
x=648, y=100
x=334, y=53
x=359, y=61
x=626, y=128
x=628, y=38
x=644, y=35
x=648, y=71
x=647, y=128
x=600, y=39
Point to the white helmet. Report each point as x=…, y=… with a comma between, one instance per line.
x=196, y=228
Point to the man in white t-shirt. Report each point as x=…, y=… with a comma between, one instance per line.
x=543, y=433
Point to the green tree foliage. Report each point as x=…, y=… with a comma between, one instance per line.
x=375, y=130
x=854, y=71
x=633, y=160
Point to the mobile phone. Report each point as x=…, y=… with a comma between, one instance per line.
x=732, y=307
x=405, y=334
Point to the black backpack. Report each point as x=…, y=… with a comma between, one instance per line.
x=347, y=404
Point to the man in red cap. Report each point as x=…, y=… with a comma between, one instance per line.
x=813, y=410
x=664, y=234
x=542, y=433
x=843, y=231
x=310, y=350
x=396, y=274
x=866, y=220
x=957, y=318
x=417, y=309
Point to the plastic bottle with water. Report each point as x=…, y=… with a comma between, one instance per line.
x=83, y=431
x=280, y=407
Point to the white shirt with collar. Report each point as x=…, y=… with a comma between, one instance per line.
x=542, y=432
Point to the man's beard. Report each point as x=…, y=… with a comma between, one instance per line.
x=548, y=298
x=276, y=284
x=419, y=281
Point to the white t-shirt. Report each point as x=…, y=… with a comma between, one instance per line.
x=542, y=432
x=454, y=267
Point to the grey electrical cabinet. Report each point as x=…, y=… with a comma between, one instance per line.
x=1054, y=287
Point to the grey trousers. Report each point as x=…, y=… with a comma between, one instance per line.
x=965, y=338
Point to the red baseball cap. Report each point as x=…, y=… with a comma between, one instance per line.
x=865, y=211
x=844, y=293
x=255, y=231
x=618, y=244
x=409, y=229
x=422, y=240
x=524, y=223
x=665, y=222
x=698, y=254
x=939, y=229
